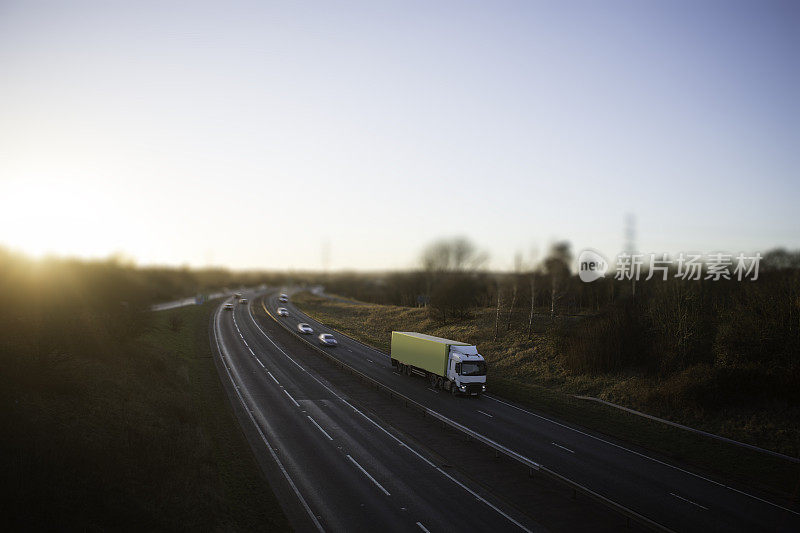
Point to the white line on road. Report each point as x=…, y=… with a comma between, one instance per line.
x=367, y=474
x=393, y=437
x=286, y=475
x=562, y=447
x=319, y=427
x=688, y=501
x=290, y=397
x=487, y=414
x=433, y=390
x=423, y=528
x=273, y=377
x=645, y=456
x=370, y=360
x=251, y=350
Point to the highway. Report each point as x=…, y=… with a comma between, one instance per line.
x=671, y=495
x=332, y=466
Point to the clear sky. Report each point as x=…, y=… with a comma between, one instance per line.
x=249, y=134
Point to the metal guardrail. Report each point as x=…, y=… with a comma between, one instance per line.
x=629, y=514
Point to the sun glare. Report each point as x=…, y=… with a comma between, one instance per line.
x=42, y=217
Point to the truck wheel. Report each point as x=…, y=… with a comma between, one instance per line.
x=432, y=380
x=401, y=368
x=439, y=383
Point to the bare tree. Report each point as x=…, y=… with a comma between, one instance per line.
x=457, y=254
x=513, y=303
x=497, y=317
x=533, y=300
x=556, y=265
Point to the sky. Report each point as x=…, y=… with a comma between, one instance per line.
x=258, y=134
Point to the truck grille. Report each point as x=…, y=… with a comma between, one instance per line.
x=474, y=388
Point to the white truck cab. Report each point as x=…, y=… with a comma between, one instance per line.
x=467, y=370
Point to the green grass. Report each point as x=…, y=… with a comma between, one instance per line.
x=135, y=434
x=528, y=372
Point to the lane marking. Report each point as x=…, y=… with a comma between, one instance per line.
x=423, y=528
x=623, y=448
x=562, y=447
x=487, y=414
x=400, y=442
x=260, y=363
x=249, y=412
x=689, y=501
x=290, y=397
x=319, y=427
x=646, y=457
x=273, y=377
x=369, y=476
x=251, y=350
x=433, y=390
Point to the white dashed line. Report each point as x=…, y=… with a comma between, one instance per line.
x=320, y=428
x=645, y=456
x=367, y=474
x=290, y=397
x=487, y=414
x=562, y=447
x=273, y=377
x=689, y=501
x=423, y=528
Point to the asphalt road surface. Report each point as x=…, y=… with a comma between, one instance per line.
x=671, y=495
x=332, y=466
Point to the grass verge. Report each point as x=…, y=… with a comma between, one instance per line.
x=137, y=434
x=372, y=324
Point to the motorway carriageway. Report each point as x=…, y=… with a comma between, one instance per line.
x=333, y=467
x=672, y=495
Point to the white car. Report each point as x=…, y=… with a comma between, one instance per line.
x=282, y=311
x=228, y=307
x=326, y=339
x=304, y=328
x=283, y=298
x=243, y=300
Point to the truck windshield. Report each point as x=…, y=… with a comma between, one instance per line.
x=473, y=368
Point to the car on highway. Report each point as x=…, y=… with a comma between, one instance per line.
x=283, y=298
x=228, y=307
x=282, y=311
x=326, y=339
x=304, y=328
x=237, y=295
x=242, y=300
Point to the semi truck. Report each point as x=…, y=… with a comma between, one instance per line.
x=453, y=366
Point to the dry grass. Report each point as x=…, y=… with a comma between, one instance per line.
x=535, y=372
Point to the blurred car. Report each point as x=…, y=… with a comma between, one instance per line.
x=283, y=298
x=237, y=295
x=228, y=307
x=326, y=339
x=282, y=311
x=243, y=300
x=304, y=328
